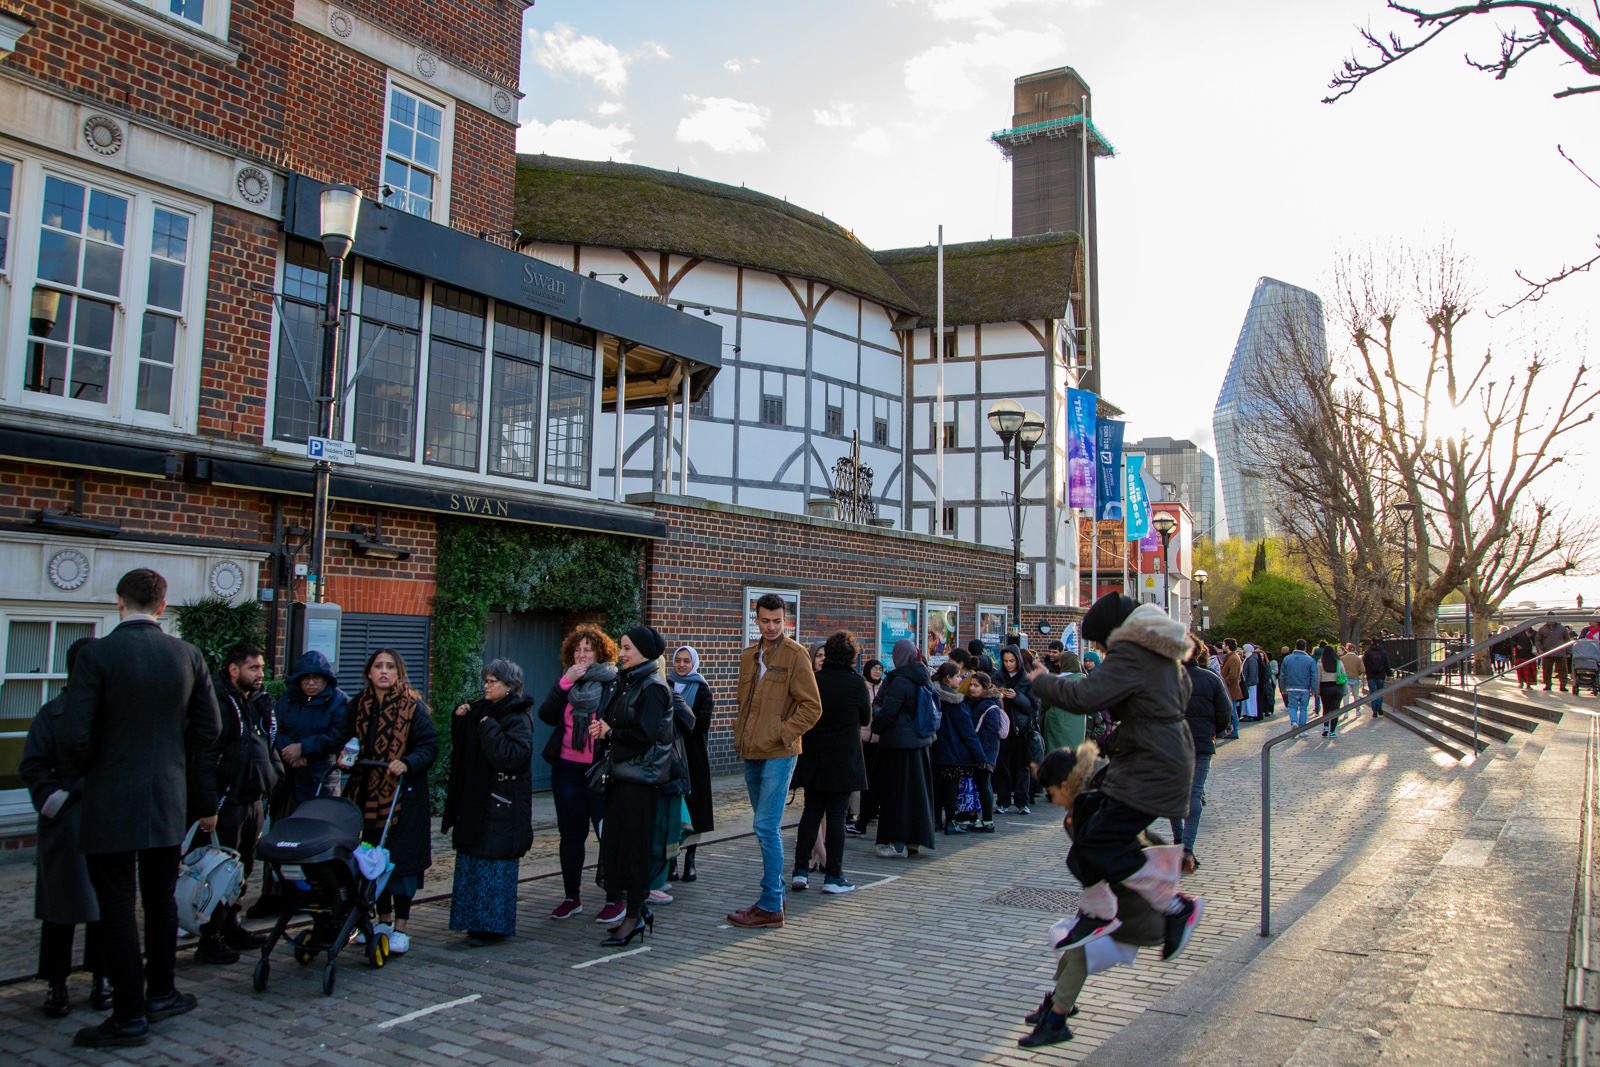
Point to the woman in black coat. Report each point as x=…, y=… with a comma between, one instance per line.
x=904, y=785
x=1013, y=774
x=1209, y=714
x=489, y=804
x=639, y=716
x=831, y=765
x=697, y=695
x=392, y=724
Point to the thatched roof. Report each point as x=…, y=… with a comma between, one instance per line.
x=620, y=205
x=989, y=281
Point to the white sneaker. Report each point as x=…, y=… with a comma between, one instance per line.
x=890, y=852
x=398, y=942
x=658, y=896
x=799, y=881
x=377, y=928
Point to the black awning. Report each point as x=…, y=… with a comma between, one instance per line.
x=88, y=454
x=483, y=503
x=440, y=253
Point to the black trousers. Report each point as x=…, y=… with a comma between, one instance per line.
x=577, y=810
x=238, y=828
x=118, y=878
x=946, y=793
x=981, y=779
x=1106, y=847
x=1013, y=774
x=819, y=804
x=55, y=951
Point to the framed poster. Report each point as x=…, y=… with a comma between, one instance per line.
x=896, y=619
x=940, y=630
x=992, y=628
x=791, y=603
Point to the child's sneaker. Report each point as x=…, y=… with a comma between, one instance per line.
x=1087, y=929
x=1180, y=926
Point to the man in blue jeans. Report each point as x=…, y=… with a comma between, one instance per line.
x=778, y=703
x=1297, y=676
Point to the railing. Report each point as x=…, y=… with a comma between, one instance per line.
x=1502, y=673
x=1432, y=669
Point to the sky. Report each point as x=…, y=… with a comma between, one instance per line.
x=876, y=113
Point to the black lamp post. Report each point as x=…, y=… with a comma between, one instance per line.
x=1012, y=424
x=1405, y=508
x=340, y=209
x=1166, y=526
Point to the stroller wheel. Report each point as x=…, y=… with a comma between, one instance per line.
x=259, y=979
x=378, y=950
x=328, y=974
x=302, y=957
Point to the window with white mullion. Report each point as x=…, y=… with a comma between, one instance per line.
x=414, y=135
x=8, y=182
x=83, y=237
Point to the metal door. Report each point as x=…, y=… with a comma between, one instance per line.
x=531, y=640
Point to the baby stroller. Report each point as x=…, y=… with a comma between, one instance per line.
x=329, y=874
x=1586, y=665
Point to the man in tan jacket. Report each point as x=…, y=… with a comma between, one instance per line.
x=778, y=703
x=1232, y=673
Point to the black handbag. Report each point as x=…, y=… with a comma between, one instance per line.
x=653, y=767
x=598, y=776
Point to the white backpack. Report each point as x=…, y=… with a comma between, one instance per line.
x=207, y=877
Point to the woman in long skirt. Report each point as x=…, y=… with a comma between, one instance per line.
x=697, y=694
x=904, y=785
x=488, y=806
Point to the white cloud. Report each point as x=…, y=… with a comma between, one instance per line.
x=724, y=125
x=565, y=53
x=986, y=13
x=841, y=115
x=573, y=137
x=608, y=107
x=732, y=66
x=945, y=77
x=872, y=141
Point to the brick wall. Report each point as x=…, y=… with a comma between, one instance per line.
x=238, y=327
x=1057, y=617
x=696, y=579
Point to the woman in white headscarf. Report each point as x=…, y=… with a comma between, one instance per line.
x=685, y=678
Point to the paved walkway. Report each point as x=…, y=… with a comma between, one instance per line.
x=931, y=961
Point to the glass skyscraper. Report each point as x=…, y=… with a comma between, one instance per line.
x=1275, y=308
x=1190, y=473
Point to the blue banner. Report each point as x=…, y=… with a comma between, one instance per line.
x=1080, y=448
x=1109, y=484
x=1138, y=524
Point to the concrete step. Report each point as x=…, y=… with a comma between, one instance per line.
x=1420, y=726
x=1450, y=714
x=1486, y=710
x=1437, y=724
x=1516, y=706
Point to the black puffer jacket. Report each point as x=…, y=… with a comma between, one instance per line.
x=1209, y=710
x=1021, y=708
x=894, y=713
x=241, y=767
x=1142, y=685
x=489, y=803
x=830, y=752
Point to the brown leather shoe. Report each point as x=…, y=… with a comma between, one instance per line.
x=755, y=918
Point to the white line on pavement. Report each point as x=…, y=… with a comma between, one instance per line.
x=608, y=959
x=420, y=1012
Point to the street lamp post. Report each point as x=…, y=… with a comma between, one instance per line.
x=1014, y=426
x=340, y=208
x=1166, y=526
x=1200, y=592
x=1405, y=508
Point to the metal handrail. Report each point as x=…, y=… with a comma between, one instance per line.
x=1410, y=679
x=1502, y=674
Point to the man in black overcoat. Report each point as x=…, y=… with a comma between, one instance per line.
x=139, y=708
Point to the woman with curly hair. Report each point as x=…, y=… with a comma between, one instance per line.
x=585, y=687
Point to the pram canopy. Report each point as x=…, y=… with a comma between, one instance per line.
x=317, y=826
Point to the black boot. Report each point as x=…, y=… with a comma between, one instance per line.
x=1045, y=1034
x=689, y=873
x=236, y=936
x=57, y=1004
x=672, y=869
x=212, y=949
x=100, y=994
x=114, y=1032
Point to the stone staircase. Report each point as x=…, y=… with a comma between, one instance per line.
x=1443, y=716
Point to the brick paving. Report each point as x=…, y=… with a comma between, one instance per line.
x=915, y=967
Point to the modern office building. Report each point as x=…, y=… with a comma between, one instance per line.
x=1278, y=313
x=1188, y=473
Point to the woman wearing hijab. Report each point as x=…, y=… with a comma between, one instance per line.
x=393, y=726
x=904, y=786
x=697, y=695
x=1013, y=773
x=489, y=804
x=867, y=804
x=639, y=717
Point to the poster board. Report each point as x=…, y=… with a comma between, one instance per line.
x=897, y=618
x=992, y=620
x=791, y=602
x=1071, y=640
x=941, y=632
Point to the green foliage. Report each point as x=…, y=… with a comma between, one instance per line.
x=1259, y=568
x=1273, y=610
x=523, y=568
x=213, y=626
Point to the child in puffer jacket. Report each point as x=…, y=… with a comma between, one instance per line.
x=989, y=720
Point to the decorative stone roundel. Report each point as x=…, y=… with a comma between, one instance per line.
x=227, y=579
x=254, y=184
x=102, y=135
x=502, y=102
x=341, y=23
x=427, y=65
x=69, y=569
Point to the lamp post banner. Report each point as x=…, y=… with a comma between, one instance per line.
x=1108, y=487
x=1080, y=448
x=1138, y=524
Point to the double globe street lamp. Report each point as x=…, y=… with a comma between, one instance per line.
x=1015, y=426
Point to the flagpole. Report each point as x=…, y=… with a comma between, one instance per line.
x=938, y=407
x=1127, y=498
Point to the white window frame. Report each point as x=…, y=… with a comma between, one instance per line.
x=446, y=104
x=122, y=384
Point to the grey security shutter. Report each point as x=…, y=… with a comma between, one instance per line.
x=359, y=635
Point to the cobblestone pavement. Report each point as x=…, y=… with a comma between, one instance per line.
x=920, y=965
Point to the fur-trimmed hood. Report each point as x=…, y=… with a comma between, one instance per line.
x=948, y=695
x=1088, y=755
x=1150, y=627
